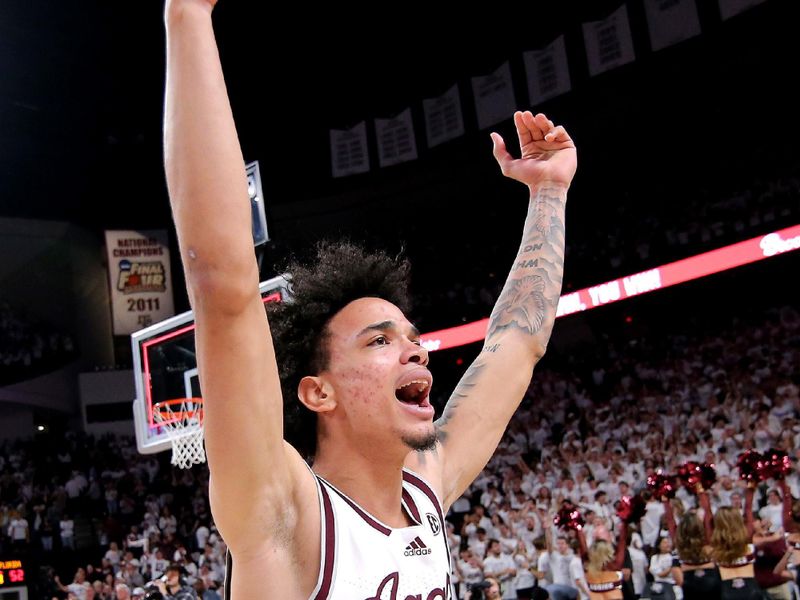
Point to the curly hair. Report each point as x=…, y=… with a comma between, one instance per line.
x=730, y=537
x=690, y=540
x=340, y=272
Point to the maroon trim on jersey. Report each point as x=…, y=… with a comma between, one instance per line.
x=411, y=506
x=330, y=546
x=425, y=489
x=360, y=512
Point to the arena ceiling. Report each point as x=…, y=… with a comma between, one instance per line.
x=81, y=89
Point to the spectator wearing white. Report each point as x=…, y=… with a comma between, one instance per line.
x=773, y=511
x=723, y=490
x=67, y=530
x=18, y=530
x=555, y=564
x=470, y=570
x=663, y=569
x=524, y=581
x=480, y=543
x=135, y=542
x=528, y=530
x=201, y=536
x=112, y=554
x=79, y=586
x=502, y=567
x=158, y=564
x=76, y=485
x=602, y=508
x=651, y=522
x=130, y=573
x=578, y=576
x=639, y=564
x=167, y=523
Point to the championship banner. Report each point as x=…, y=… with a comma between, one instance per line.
x=494, y=96
x=396, y=140
x=349, y=154
x=443, y=119
x=608, y=42
x=547, y=72
x=671, y=21
x=139, y=279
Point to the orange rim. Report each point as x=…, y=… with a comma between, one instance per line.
x=173, y=416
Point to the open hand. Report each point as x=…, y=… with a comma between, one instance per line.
x=548, y=152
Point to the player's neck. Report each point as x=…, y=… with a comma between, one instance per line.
x=373, y=481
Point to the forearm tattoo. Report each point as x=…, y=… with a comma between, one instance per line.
x=529, y=299
x=530, y=296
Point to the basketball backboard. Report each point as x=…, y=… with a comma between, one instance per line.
x=165, y=367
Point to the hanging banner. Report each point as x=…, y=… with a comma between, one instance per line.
x=608, y=42
x=139, y=279
x=396, y=141
x=731, y=8
x=443, y=118
x=349, y=154
x=494, y=96
x=671, y=21
x=547, y=72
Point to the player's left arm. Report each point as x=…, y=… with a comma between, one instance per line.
x=485, y=399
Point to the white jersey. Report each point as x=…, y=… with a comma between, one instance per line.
x=363, y=559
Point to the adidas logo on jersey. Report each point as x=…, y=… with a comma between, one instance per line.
x=417, y=548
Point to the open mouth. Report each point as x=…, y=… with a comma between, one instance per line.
x=413, y=392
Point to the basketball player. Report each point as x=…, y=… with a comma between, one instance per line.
x=367, y=522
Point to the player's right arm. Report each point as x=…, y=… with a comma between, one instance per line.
x=254, y=475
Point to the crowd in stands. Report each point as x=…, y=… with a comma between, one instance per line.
x=109, y=519
x=27, y=347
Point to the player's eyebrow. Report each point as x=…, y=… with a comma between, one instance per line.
x=413, y=332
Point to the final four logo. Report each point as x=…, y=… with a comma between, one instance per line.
x=136, y=277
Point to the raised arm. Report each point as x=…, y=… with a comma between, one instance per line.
x=708, y=516
x=748, y=510
x=789, y=524
x=520, y=324
x=207, y=188
x=622, y=544
x=584, y=548
x=670, y=519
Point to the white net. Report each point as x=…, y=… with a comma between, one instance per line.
x=182, y=421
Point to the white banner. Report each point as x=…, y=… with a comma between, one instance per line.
x=139, y=279
x=443, y=118
x=547, y=72
x=608, y=42
x=671, y=21
x=494, y=96
x=731, y=8
x=396, y=141
x=349, y=154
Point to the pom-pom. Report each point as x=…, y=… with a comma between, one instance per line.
x=751, y=465
x=569, y=517
x=631, y=509
x=776, y=464
x=662, y=486
x=697, y=477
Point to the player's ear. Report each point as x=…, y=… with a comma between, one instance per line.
x=316, y=394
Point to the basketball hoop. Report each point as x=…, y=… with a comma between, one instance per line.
x=182, y=422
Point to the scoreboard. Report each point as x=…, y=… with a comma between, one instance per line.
x=14, y=578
